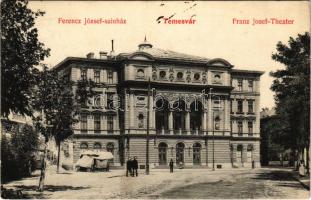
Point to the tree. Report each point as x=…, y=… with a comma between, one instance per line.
x=18, y=153
x=292, y=92
x=20, y=52
x=58, y=106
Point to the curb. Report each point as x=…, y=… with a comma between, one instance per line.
x=306, y=186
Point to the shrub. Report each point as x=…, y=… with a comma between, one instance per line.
x=18, y=153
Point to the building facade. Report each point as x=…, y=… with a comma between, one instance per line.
x=201, y=111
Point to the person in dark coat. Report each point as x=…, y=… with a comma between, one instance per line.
x=129, y=166
x=135, y=166
x=171, y=166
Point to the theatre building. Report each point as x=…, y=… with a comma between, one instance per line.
x=202, y=112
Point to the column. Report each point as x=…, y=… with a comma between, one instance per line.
x=245, y=106
x=104, y=76
x=90, y=124
x=131, y=119
x=115, y=77
x=187, y=121
x=245, y=127
x=90, y=74
x=170, y=122
x=104, y=123
x=104, y=99
x=210, y=116
x=234, y=146
x=227, y=115
x=117, y=126
x=244, y=154
x=257, y=112
x=204, y=120
x=151, y=114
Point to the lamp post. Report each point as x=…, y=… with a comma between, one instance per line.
x=148, y=127
x=213, y=124
x=213, y=143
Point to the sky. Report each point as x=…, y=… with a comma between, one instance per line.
x=215, y=33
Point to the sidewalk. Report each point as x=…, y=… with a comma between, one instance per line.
x=304, y=181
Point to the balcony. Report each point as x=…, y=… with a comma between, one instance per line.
x=162, y=132
x=177, y=132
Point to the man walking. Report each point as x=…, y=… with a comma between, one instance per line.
x=171, y=166
x=135, y=166
x=129, y=167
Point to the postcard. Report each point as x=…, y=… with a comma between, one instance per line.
x=155, y=99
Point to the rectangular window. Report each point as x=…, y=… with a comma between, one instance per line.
x=110, y=124
x=250, y=106
x=240, y=127
x=97, y=76
x=83, y=122
x=216, y=104
x=110, y=76
x=240, y=85
x=231, y=106
x=240, y=106
x=84, y=104
x=250, y=127
x=84, y=74
x=250, y=85
x=96, y=123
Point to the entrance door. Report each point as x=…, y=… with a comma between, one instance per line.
x=197, y=154
x=249, y=153
x=180, y=153
x=162, y=153
x=239, y=154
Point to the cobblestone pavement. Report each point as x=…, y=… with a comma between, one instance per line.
x=185, y=183
x=263, y=183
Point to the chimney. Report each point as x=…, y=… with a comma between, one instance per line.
x=103, y=55
x=112, y=49
x=90, y=55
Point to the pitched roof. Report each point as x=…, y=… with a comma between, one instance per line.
x=157, y=53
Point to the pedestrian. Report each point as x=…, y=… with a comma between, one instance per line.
x=135, y=166
x=129, y=167
x=253, y=164
x=180, y=165
x=302, y=171
x=171, y=166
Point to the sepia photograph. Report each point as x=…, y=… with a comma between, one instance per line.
x=155, y=99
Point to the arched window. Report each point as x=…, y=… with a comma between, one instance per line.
x=140, y=120
x=140, y=73
x=97, y=145
x=84, y=146
x=162, y=153
x=179, y=113
x=217, y=122
x=196, y=114
x=197, y=154
x=110, y=148
x=162, y=111
x=217, y=78
x=249, y=152
x=180, y=153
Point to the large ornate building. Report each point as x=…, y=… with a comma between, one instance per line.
x=201, y=111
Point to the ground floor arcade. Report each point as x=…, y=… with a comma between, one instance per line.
x=190, y=152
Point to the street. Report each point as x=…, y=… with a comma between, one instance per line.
x=185, y=183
